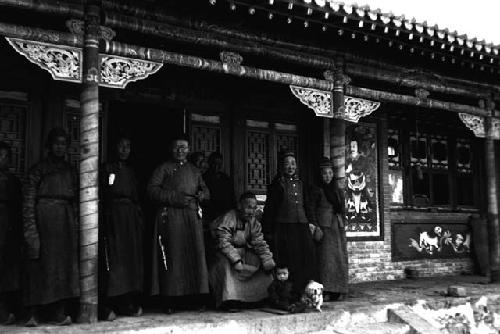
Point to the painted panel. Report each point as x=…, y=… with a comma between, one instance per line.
x=362, y=204
x=424, y=240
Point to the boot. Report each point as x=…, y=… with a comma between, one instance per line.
x=60, y=318
x=32, y=317
x=11, y=318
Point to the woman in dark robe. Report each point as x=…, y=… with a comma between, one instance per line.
x=326, y=209
x=286, y=224
x=179, y=265
x=10, y=237
x=51, y=233
x=122, y=235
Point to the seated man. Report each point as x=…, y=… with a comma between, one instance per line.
x=243, y=261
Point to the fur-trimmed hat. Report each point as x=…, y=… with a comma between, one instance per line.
x=325, y=163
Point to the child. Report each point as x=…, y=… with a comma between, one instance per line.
x=281, y=292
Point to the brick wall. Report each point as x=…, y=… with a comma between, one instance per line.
x=371, y=260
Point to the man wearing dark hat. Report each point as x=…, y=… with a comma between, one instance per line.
x=50, y=233
x=179, y=265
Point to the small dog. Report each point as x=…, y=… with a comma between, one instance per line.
x=313, y=295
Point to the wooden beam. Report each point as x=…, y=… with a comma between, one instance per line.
x=297, y=52
x=167, y=57
x=400, y=78
x=89, y=165
x=384, y=96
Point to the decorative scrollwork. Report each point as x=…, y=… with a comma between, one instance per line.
x=320, y=101
x=77, y=27
x=355, y=108
x=62, y=62
x=117, y=72
x=317, y=100
x=338, y=77
x=476, y=124
x=421, y=93
x=65, y=63
x=231, y=61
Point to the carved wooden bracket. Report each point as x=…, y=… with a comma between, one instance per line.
x=320, y=101
x=65, y=63
x=476, y=124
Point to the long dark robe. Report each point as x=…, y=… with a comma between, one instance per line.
x=51, y=233
x=10, y=232
x=286, y=225
x=123, y=231
x=325, y=209
x=178, y=262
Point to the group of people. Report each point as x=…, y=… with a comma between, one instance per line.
x=203, y=241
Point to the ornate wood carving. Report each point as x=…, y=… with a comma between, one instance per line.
x=476, y=124
x=65, y=63
x=320, y=102
x=117, y=72
x=77, y=28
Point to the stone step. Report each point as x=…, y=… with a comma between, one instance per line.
x=369, y=328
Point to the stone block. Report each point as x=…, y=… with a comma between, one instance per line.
x=457, y=291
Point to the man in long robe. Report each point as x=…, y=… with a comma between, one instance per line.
x=51, y=233
x=10, y=237
x=241, y=271
x=122, y=231
x=179, y=265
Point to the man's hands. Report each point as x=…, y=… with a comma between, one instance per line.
x=238, y=266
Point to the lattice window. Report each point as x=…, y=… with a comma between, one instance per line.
x=418, y=149
x=393, y=148
x=13, y=132
x=287, y=142
x=439, y=152
x=464, y=156
x=206, y=139
x=258, y=166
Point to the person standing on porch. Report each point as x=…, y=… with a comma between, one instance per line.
x=179, y=265
x=241, y=271
x=122, y=233
x=51, y=233
x=222, y=197
x=326, y=209
x=10, y=237
x=286, y=224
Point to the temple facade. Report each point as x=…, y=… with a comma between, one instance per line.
x=406, y=112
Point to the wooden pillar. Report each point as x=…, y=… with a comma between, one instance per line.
x=89, y=163
x=326, y=137
x=337, y=127
x=493, y=222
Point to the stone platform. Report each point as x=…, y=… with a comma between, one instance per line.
x=397, y=307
